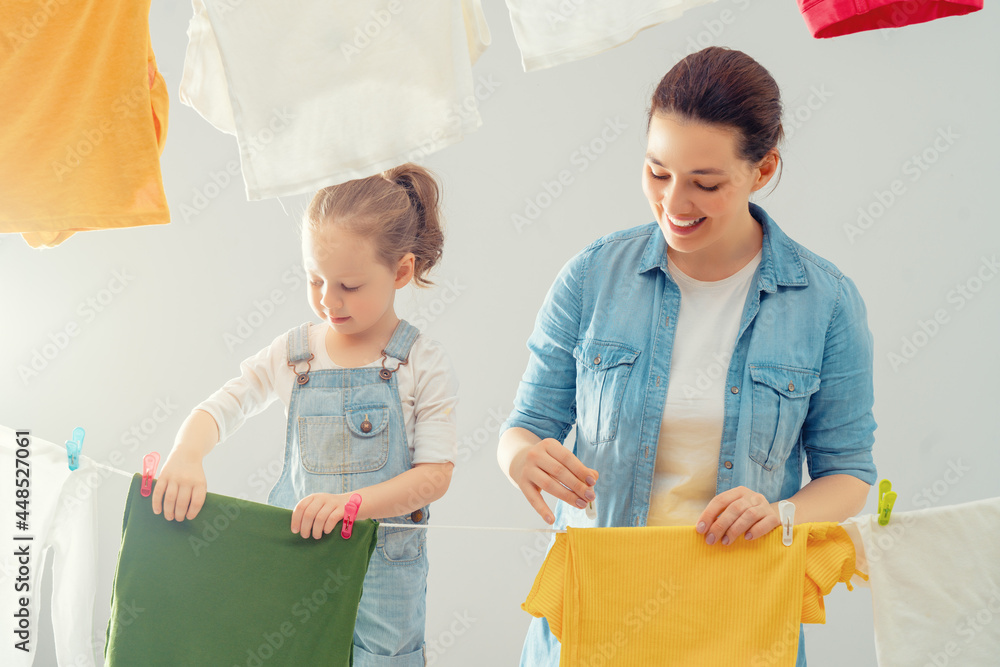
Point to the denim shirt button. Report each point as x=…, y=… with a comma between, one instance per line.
x=597, y=360
x=791, y=386
x=728, y=464
x=735, y=390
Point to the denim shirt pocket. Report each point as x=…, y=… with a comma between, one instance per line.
x=780, y=402
x=357, y=442
x=603, y=369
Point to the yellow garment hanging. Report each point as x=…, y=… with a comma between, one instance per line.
x=661, y=596
x=83, y=119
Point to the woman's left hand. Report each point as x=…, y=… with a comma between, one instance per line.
x=737, y=512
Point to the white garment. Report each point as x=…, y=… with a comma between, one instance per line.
x=553, y=32
x=934, y=575
x=687, y=452
x=61, y=521
x=319, y=92
x=428, y=392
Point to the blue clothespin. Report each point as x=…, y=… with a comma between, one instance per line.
x=886, y=499
x=74, y=446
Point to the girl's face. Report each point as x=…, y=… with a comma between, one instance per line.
x=698, y=188
x=348, y=286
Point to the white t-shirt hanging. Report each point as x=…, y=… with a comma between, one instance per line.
x=934, y=575
x=687, y=453
x=553, y=32
x=428, y=392
x=61, y=521
x=319, y=92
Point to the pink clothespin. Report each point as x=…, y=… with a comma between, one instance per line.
x=350, y=514
x=150, y=462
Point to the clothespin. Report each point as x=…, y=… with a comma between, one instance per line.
x=150, y=462
x=886, y=499
x=350, y=514
x=73, y=448
x=786, y=511
x=591, y=509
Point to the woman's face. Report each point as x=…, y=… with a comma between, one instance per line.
x=698, y=188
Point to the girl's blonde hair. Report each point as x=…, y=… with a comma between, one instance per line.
x=397, y=210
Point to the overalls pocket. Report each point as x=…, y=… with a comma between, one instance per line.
x=780, y=403
x=603, y=369
x=356, y=442
x=402, y=545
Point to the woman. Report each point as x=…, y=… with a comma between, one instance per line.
x=701, y=357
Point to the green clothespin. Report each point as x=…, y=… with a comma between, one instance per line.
x=886, y=499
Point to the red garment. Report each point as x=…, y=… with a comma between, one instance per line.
x=830, y=18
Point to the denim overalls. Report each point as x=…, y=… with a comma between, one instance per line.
x=345, y=432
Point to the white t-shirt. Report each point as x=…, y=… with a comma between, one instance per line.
x=428, y=392
x=320, y=92
x=687, y=453
x=553, y=32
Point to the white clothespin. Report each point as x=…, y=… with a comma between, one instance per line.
x=786, y=511
x=592, y=509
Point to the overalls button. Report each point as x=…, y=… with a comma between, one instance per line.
x=597, y=360
x=417, y=516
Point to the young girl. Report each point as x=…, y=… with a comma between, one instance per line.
x=703, y=357
x=370, y=401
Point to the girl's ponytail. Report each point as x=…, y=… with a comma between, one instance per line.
x=398, y=210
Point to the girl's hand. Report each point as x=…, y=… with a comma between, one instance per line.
x=180, y=489
x=318, y=513
x=550, y=467
x=736, y=512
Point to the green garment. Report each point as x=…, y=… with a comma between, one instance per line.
x=233, y=588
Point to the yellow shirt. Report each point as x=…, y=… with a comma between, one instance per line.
x=661, y=596
x=83, y=119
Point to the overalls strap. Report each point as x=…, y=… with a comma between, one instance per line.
x=401, y=341
x=298, y=343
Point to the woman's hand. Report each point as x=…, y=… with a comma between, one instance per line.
x=318, y=513
x=550, y=467
x=738, y=511
x=180, y=489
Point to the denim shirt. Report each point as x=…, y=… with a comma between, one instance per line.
x=798, y=387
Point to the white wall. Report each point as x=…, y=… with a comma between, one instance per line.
x=885, y=97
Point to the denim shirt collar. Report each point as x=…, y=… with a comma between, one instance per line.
x=779, y=262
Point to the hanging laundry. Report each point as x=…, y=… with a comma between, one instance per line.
x=553, y=32
x=319, y=92
x=83, y=121
x=934, y=576
x=832, y=18
x=234, y=586
x=60, y=521
x=659, y=595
